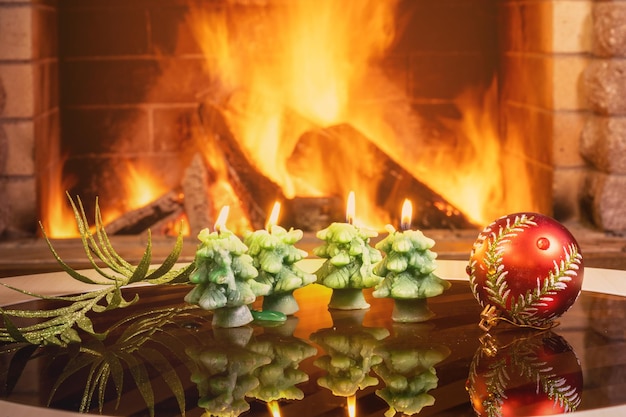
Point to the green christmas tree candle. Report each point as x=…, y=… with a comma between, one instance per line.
x=408, y=272
x=350, y=259
x=274, y=255
x=224, y=275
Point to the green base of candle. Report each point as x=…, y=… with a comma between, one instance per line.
x=411, y=310
x=348, y=299
x=283, y=303
x=232, y=316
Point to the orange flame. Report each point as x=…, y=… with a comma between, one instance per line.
x=350, y=208
x=273, y=217
x=220, y=223
x=274, y=408
x=141, y=187
x=351, y=402
x=407, y=215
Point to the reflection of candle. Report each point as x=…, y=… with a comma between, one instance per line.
x=351, y=401
x=274, y=408
x=407, y=214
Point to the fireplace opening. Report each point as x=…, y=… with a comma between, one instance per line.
x=168, y=110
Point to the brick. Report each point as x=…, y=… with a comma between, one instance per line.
x=571, y=28
x=523, y=25
x=174, y=128
x=603, y=199
x=527, y=185
x=527, y=79
x=609, y=31
x=20, y=206
x=3, y=97
x=106, y=130
x=567, y=91
x=170, y=33
x=107, y=82
x=103, y=32
x=604, y=143
x=45, y=29
x=4, y=152
x=19, y=90
x=446, y=76
x=16, y=32
x=566, y=133
x=447, y=26
x=132, y=81
x=567, y=184
x=605, y=86
x=20, y=149
x=47, y=144
x=527, y=131
x=46, y=84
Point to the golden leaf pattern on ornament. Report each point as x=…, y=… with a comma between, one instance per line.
x=524, y=309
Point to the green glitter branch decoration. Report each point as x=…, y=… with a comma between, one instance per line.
x=58, y=326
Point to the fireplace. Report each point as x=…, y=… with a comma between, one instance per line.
x=109, y=99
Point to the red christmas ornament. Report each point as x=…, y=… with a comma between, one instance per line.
x=526, y=268
x=534, y=375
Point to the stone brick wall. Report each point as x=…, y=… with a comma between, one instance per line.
x=131, y=77
x=604, y=136
x=545, y=47
x=28, y=107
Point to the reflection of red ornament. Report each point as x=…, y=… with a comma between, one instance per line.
x=528, y=267
x=538, y=375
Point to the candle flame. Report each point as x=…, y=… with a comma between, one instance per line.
x=220, y=223
x=274, y=408
x=350, y=208
x=407, y=215
x=351, y=401
x=273, y=218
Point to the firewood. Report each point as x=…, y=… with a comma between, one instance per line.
x=348, y=155
x=141, y=219
x=195, y=185
x=256, y=191
x=311, y=214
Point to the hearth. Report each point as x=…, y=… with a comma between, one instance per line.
x=483, y=104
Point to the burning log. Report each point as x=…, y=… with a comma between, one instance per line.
x=256, y=192
x=313, y=213
x=344, y=146
x=196, y=192
x=168, y=206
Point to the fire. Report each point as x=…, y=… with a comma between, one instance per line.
x=289, y=67
x=141, y=187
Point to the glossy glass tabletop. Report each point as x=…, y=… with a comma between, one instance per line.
x=163, y=354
